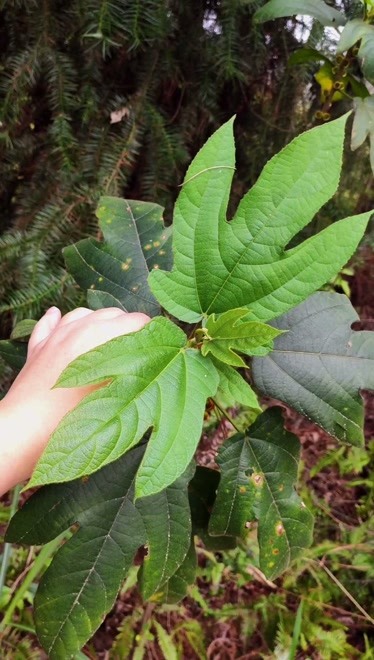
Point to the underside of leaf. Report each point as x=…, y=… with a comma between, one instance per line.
x=319, y=365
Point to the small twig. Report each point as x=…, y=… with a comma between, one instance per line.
x=225, y=414
x=345, y=591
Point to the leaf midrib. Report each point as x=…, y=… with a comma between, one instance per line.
x=281, y=249
x=92, y=570
x=120, y=411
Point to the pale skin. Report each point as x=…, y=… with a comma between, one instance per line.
x=31, y=410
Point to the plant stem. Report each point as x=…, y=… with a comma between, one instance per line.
x=225, y=414
x=8, y=546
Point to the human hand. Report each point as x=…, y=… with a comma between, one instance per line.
x=31, y=410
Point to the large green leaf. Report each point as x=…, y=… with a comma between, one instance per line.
x=115, y=271
x=358, y=30
x=81, y=585
x=156, y=382
x=315, y=8
x=229, y=334
x=258, y=474
x=320, y=364
x=220, y=265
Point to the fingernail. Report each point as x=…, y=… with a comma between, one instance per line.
x=53, y=311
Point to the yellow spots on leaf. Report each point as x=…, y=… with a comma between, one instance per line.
x=281, y=488
x=271, y=564
x=157, y=597
x=100, y=279
x=135, y=288
x=92, y=286
x=242, y=489
x=279, y=529
x=303, y=506
x=275, y=551
x=162, y=253
x=147, y=246
x=156, y=266
x=156, y=243
x=257, y=479
x=125, y=266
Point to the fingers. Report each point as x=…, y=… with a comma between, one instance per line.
x=43, y=328
x=83, y=329
x=75, y=315
x=102, y=326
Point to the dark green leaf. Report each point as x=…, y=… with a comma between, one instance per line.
x=177, y=586
x=115, y=271
x=320, y=364
x=147, y=369
x=258, y=474
x=358, y=88
x=202, y=493
x=81, y=584
x=23, y=329
x=315, y=8
x=220, y=265
x=306, y=55
x=167, y=522
x=13, y=353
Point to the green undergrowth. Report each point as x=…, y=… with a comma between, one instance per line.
x=321, y=608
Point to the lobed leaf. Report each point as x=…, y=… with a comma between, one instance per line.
x=258, y=474
x=115, y=271
x=320, y=364
x=81, y=584
x=229, y=334
x=147, y=369
x=316, y=8
x=248, y=265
